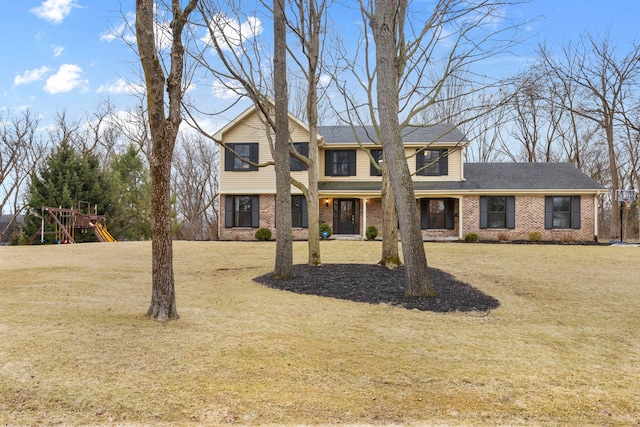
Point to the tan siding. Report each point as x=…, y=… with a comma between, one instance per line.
x=363, y=168
x=262, y=181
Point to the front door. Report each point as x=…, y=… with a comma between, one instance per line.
x=345, y=216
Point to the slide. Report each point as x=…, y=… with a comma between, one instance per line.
x=102, y=233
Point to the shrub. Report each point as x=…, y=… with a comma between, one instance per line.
x=471, y=237
x=263, y=234
x=371, y=232
x=503, y=237
x=325, y=231
x=535, y=236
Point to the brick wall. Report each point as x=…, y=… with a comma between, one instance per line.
x=530, y=216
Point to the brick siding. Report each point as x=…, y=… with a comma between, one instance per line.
x=530, y=216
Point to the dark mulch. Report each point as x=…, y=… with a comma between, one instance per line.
x=374, y=284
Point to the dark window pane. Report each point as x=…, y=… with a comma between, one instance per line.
x=437, y=211
x=496, y=212
x=242, y=211
x=244, y=151
x=562, y=212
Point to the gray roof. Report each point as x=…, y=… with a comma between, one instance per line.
x=494, y=176
x=410, y=134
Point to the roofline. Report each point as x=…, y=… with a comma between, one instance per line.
x=251, y=109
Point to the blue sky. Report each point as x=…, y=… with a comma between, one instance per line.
x=56, y=54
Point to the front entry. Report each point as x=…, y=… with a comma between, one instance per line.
x=346, y=216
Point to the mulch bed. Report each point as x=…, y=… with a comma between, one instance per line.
x=374, y=284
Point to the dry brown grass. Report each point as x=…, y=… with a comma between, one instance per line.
x=76, y=348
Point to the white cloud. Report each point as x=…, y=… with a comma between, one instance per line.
x=121, y=86
x=54, y=11
x=57, y=50
x=66, y=79
x=230, y=34
x=228, y=90
x=30, y=76
x=122, y=31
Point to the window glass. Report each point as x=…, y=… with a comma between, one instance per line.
x=244, y=151
x=562, y=212
x=242, y=211
x=437, y=213
x=340, y=162
x=296, y=211
x=496, y=212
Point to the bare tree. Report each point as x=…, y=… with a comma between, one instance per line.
x=195, y=187
x=387, y=23
x=20, y=151
x=308, y=26
x=284, y=242
x=164, y=115
x=605, y=81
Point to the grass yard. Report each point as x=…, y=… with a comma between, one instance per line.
x=563, y=348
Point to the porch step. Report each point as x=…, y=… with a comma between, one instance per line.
x=346, y=237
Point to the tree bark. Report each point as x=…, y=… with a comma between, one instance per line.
x=386, y=22
x=284, y=241
x=390, y=255
x=163, y=124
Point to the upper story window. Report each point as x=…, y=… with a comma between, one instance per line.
x=432, y=162
x=562, y=212
x=340, y=162
x=377, y=156
x=244, y=151
x=498, y=212
x=303, y=149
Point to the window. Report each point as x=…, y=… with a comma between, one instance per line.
x=340, y=162
x=299, y=212
x=562, y=212
x=303, y=149
x=242, y=211
x=432, y=162
x=497, y=212
x=248, y=151
x=377, y=156
x=437, y=214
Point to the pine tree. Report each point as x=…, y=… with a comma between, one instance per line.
x=66, y=178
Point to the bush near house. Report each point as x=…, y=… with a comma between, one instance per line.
x=263, y=234
x=371, y=232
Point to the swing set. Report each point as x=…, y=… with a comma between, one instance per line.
x=67, y=223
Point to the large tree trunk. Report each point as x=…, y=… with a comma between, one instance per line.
x=163, y=125
x=387, y=19
x=313, y=201
x=390, y=257
x=284, y=242
x=163, y=297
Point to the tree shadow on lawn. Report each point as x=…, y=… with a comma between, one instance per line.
x=375, y=284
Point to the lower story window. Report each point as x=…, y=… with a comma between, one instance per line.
x=497, y=212
x=242, y=211
x=437, y=214
x=562, y=212
x=299, y=212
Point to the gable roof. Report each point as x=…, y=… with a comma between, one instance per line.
x=494, y=177
x=219, y=135
x=344, y=134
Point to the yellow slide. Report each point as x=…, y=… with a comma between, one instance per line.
x=103, y=234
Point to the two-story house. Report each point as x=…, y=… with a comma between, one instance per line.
x=498, y=201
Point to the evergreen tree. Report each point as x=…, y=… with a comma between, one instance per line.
x=65, y=178
x=132, y=221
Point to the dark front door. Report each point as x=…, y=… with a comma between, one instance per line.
x=345, y=216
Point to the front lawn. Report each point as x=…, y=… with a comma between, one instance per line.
x=562, y=348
